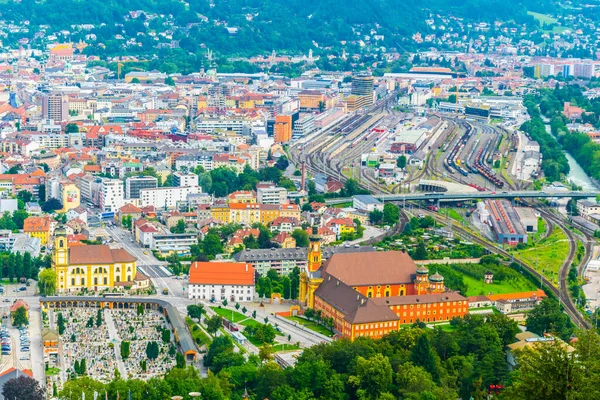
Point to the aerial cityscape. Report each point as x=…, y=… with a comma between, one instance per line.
x=299, y=200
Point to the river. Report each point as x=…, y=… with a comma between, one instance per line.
x=576, y=174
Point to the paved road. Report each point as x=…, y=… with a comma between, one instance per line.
x=114, y=337
x=147, y=263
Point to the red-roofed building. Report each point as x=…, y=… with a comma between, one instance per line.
x=218, y=281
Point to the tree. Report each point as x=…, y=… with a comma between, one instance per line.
x=401, y=162
x=71, y=128
x=294, y=282
x=166, y=335
x=286, y=287
x=179, y=361
x=391, y=213
x=27, y=266
x=22, y=388
x=75, y=387
x=135, y=80
x=301, y=237
x=213, y=324
x=211, y=245
x=373, y=376
x=195, y=311
x=126, y=221
x=42, y=192
x=547, y=317
x=376, y=216
x=421, y=251
x=19, y=217
x=47, y=282
x=99, y=318
x=61, y=324
x=152, y=350
x=549, y=371
x=422, y=355
x=24, y=195
x=179, y=227
x=20, y=317
x=265, y=353
x=170, y=81
x=51, y=205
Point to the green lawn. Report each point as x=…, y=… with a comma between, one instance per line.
x=547, y=255
x=343, y=205
x=313, y=326
x=249, y=322
x=452, y=213
x=541, y=229
x=200, y=338
x=229, y=314
x=285, y=347
x=52, y=371
x=543, y=18
x=477, y=287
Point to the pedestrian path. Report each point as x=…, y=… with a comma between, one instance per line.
x=114, y=338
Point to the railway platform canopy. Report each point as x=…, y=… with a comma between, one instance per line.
x=427, y=185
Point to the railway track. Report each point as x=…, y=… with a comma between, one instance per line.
x=561, y=292
x=325, y=163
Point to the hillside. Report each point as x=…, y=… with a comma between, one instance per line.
x=259, y=26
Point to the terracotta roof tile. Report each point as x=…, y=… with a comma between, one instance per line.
x=221, y=273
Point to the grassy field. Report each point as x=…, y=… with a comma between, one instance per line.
x=547, y=255
x=285, y=347
x=477, y=287
x=197, y=334
x=452, y=213
x=543, y=18
x=229, y=314
x=541, y=230
x=313, y=326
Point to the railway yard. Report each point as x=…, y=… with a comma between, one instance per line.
x=455, y=154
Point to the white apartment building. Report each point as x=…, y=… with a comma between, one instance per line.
x=218, y=281
x=166, y=196
x=179, y=243
x=191, y=161
x=111, y=195
x=268, y=193
x=185, y=179
x=134, y=184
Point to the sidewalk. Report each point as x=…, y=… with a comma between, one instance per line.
x=114, y=338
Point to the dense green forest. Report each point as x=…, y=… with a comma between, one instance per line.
x=461, y=360
x=283, y=25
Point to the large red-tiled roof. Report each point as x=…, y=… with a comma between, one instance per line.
x=371, y=268
x=221, y=273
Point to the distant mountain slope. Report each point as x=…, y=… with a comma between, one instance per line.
x=264, y=25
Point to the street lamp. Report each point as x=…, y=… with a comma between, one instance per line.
x=177, y=398
x=194, y=394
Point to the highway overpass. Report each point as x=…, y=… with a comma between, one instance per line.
x=456, y=196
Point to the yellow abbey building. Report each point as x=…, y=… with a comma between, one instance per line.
x=92, y=267
x=311, y=278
